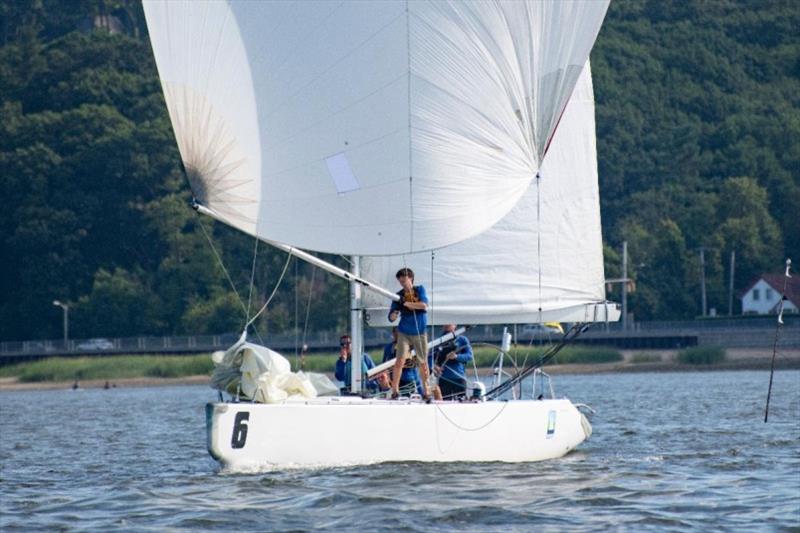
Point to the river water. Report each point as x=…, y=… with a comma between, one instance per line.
x=671, y=451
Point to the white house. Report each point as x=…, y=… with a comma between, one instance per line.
x=764, y=294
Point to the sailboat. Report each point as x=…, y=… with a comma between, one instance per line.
x=400, y=134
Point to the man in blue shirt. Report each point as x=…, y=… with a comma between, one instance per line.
x=413, y=312
x=344, y=365
x=449, y=360
x=409, y=378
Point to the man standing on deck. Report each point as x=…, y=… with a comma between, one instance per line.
x=409, y=378
x=413, y=312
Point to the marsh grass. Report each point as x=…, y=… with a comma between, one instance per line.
x=484, y=357
x=701, y=355
x=646, y=358
x=109, y=367
x=173, y=366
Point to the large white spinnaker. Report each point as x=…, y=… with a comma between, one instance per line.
x=545, y=254
x=361, y=127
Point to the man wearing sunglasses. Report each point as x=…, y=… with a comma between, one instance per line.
x=344, y=367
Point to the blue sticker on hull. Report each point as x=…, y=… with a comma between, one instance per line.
x=551, y=424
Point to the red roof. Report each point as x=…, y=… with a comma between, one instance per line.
x=776, y=281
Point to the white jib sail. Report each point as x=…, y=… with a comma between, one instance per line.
x=367, y=127
x=547, y=257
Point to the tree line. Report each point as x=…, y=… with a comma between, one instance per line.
x=698, y=128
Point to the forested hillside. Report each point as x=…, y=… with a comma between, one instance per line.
x=698, y=139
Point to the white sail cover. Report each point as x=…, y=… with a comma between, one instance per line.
x=553, y=232
x=367, y=127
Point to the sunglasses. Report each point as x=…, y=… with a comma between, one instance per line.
x=345, y=343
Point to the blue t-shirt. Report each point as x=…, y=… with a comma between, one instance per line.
x=412, y=322
x=343, y=370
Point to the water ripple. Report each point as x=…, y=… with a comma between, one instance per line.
x=660, y=459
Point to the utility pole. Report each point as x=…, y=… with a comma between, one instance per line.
x=703, y=278
x=730, y=283
x=65, y=308
x=624, y=285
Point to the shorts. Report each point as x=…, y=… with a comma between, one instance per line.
x=418, y=342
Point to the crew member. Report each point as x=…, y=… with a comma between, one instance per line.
x=449, y=360
x=344, y=366
x=412, y=308
x=409, y=377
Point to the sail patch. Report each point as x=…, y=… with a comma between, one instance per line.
x=341, y=173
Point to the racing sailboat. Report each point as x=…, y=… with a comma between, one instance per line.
x=386, y=131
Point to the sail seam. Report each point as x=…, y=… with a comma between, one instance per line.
x=410, y=141
x=539, y=239
x=330, y=67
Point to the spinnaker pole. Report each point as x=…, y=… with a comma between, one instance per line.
x=314, y=260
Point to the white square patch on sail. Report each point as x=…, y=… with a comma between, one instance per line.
x=342, y=175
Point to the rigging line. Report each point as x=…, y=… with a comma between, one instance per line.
x=545, y=358
x=777, y=335
x=410, y=138
x=252, y=278
x=308, y=302
x=222, y=265
x=430, y=298
x=278, y=284
x=539, y=239
x=462, y=428
x=296, y=317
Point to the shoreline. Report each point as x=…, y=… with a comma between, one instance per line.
x=739, y=362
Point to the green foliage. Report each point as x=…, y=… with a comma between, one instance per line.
x=111, y=367
x=569, y=355
x=698, y=121
x=220, y=313
x=690, y=97
x=701, y=355
x=573, y=355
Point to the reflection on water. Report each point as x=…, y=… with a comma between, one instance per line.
x=668, y=451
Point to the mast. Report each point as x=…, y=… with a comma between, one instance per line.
x=356, y=327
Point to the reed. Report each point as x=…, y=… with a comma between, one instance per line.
x=701, y=355
x=645, y=358
x=172, y=366
x=109, y=367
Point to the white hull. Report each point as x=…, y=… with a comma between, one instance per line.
x=348, y=431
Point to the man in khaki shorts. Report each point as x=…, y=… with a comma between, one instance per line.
x=413, y=312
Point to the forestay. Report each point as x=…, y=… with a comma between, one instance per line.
x=546, y=253
x=366, y=127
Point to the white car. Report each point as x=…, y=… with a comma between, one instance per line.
x=96, y=344
x=547, y=330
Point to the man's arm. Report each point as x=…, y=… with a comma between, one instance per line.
x=339, y=373
x=422, y=304
x=463, y=350
x=394, y=310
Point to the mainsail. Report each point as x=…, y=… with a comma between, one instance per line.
x=367, y=128
x=542, y=261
